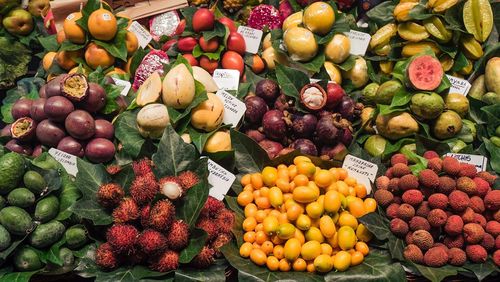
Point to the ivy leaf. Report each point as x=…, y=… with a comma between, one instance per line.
x=377, y=224
x=249, y=156
x=481, y=270
x=91, y=6
x=49, y=43
x=419, y=12
x=382, y=14
x=52, y=255
x=197, y=239
x=197, y=52
x=232, y=202
x=18, y=276
x=218, y=31
x=434, y=274
x=67, y=45
x=68, y=196
x=215, y=272
x=291, y=82
x=127, y=133
x=117, y=48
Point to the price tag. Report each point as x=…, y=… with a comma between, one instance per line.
x=68, y=161
x=234, y=109
x=143, y=35
x=220, y=179
x=359, y=41
x=227, y=79
x=126, y=85
x=25, y=4
x=252, y=38
x=479, y=161
x=459, y=85
x=365, y=172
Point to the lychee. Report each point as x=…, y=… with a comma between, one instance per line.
x=188, y=179
x=423, y=209
x=388, y=173
x=476, y=253
x=161, y=215
x=393, y=185
x=488, y=242
x=467, y=185
x=468, y=170
x=144, y=188
x=178, y=235
x=383, y=197
x=204, y=259
x=110, y=194
x=457, y=257
x=430, y=154
x=436, y=257
x=423, y=239
x=419, y=223
x=392, y=210
x=126, y=211
x=454, y=241
x=458, y=200
x=428, y=178
x=413, y=254
x=454, y=225
x=399, y=227
x=413, y=197
x=435, y=164
x=451, y=166
x=167, y=261
x=437, y=217
x=446, y=185
x=399, y=159
x=479, y=219
x=482, y=186
x=171, y=187
x=493, y=227
x=477, y=204
x=468, y=215
x=473, y=233
x=406, y=212
x=408, y=182
x=492, y=200
x=105, y=257
x=122, y=237
x=400, y=169
x=488, y=177
x=496, y=257
x=382, y=182
x=438, y=201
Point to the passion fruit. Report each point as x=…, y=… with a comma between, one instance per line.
x=23, y=129
x=49, y=133
x=104, y=129
x=267, y=89
x=274, y=125
x=95, y=100
x=80, y=125
x=75, y=87
x=304, y=125
x=313, y=96
x=5, y=132
x=447, y=125
x=53, y=87
x=256, y=108
x=305, y=146
x=42, y=93
x=57, y=108
x=21, y=108
x=319, y=17
x=458, y=103
x=100, y=150
x=272, y=148
x=300, y=44
x=256, y=135
x=71, y=146
x=17, y=146
x=37, y=112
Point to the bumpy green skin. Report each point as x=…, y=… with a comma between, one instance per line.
x=3, y=202
x=21, y=197
x=75, y=237
x=386, y=91
x=11, y=171
x=47, y=234
x=5, y=239
x=26, y=259
x=47, y=209
x=67, y=256
x=16, y=220
x=34, y=181
x=427, y=106
x=375, y=145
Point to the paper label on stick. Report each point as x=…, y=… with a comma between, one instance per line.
x=234, y=109
x=221, y=180
x=227, y=79
x=68, y=161
x=359, y=41
x=126, y=85
x=365, y=172
x=252, y=38
x=459, y=85
x=25, y=4
x=479, y=161
x=142, y=34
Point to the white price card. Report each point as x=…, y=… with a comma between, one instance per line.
x=221, y=180
x=365, y=172
x=234, y=109
x=479, y=161
x=252, y=38
x=359, y=41
x=459, y=85
x=68, y=161
x=142, y=34
x=126, y=85
x=227, y=79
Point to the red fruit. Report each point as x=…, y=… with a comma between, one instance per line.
x=429, y=178
x=186, y=44
x=451, y=166
x=209, y=46
x=191, y=59
x=205, y=258
x=178, y=235
x=113, y=169
x=225, y=220
x=109, y=195
x=209, y=226
x=425, y=73
x=229, y=23
x=236, y=42
x=167, y=261
x=208, y=65
x=144, y=188
x=430, y=155
x=203, y=19
x=334, y=93
x=233, y=60
x=468, y=170
x=180, y=27
x=161, y=215
x=126, y=211
x=152, y=62
x=258, y=65
x=142, y=167
x=264, y=16
x=492, y=200
x=219, y=242
x=482, y=186
x=105, y=257
x=285, y=9
x=188, y=179
x=144, y=214
x=122, y=237
x=399, y=158
x=151, y=241
x=211, y=208
x=166, y=46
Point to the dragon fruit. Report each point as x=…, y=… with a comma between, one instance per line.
x=285, y=10
x=152, y=62
x=264, y=16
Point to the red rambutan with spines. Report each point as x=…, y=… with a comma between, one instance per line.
x=171, y=187
x=105, y=257
x=209, y=226
x=142, y=167
x=113, y=169
x=188, y=179
x=127, y=211
x=178, y=235
x=145, y=216
x=167, y=261
x=109, y=195
x=225, y=220
x=144, y=188
x=122, y=237
x=162, y=215
x=205, y=258
x=212, y=207
x=151, y=241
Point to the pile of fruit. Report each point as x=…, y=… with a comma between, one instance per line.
x=446, y=214
x=18, y=20
x=304, y=218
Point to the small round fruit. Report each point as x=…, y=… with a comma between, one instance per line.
x=300, y=44
x=342, y=261
x=48, y=59
x=233, y=60
x=131, y=42
x=209, y=46
x=67, y=59
x=323, y=263
x=258, y=257
x=104, y=129
x=346, y=237
x=80, y=124
x=71, y=146
x=246, y=249
x=319, y=17
x=338, y=49
x=57, y=108
x=96, y=56
x=310, y=250
x=292, y=249
x=100, y=150
x=72, y=31
x=49, y=133
x=102, y=24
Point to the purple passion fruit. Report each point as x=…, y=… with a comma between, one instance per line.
x=21, y=108
x=17, y=146
x=71, y=146
x=100, y=150
x=80, y=124
x=37, y=109
x=95, y=100
x=49, y=133
x=256, y=108
x=23, y=129
x=104, y=129
x=75, y=87
x=57, y=108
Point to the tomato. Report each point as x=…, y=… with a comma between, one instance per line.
x=191, y=59
x=228, y=22
x=236, y=42
x=257, y=64
x=209, y=46
x=168, y=44
x=233, y=60
x=186, y=44
x=208, y=65
x=180, y=28
x=203, y=19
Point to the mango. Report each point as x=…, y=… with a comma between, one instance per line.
x=178, y=87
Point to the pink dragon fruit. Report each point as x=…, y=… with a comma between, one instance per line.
x=285, y=10
x=264, y=16
x=152, y=62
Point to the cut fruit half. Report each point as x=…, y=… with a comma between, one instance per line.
x=150, y=91
x=425, y=73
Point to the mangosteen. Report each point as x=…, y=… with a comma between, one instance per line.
x=337, y=152
x=256, y=108
x=313, y=96
x=346, y=107
x=23, y=129
x=57, y=108
x=326, y=131
x=274, y=125
x=53, y=87
x=49, y=133
x=100, y=150
x=71, y=146
x=21, y=108
x=37, y=109
x=268, y=90
x=334, y=93
x=345, y=136
x=37, y=151
x=304, y=125
x=80, y=124
x=285, y=151
x=95, y=100
x=283, y=103
x=305, y=146
x=75, y=87
x=17, y=146
x=42, y=92
x=272, y=148
x=256, y=135
x=104, y=129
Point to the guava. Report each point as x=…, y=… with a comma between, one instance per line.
x=447, y=125
x=425, y=73
x=427, y=106
x=396, y=125
x=370, y=92
x=375, y=145
x=386, y=91
x=458, y=103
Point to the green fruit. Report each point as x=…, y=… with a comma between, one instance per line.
x=21, y=197
x=75, y=237
x=447, y=125
x=386, y=91
x=491, y=98
x=66, y=255
x=457, y=146
x=427, y=106
x=370, y=92
x=47, y=234
x=478, y=88
x=497, y=133
x=492, y=75
x=396, y=125
x=458, y=103
x=4, y=238
x=473, y=131
x=3, y=202
x=11, y=171
x=375, y=145
x=16, y=220
x=26, y=259
x=34, y=181
x=47, y=209
x=495, y=140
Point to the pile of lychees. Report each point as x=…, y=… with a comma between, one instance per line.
x=145, y=230
x=447, y=214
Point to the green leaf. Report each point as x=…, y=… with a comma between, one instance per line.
x=197, y=239
x=52, y=255
x=13, y=246
x=14, y=59
x=382, y=14
x=398, y=103
x=199, y=138
x=18, y=276
x=90, y=7
x=460, y=62
x=67, y=45
x=199, y=97
x=432, y=273
x=215, y=272
x=481, y=270
x=348, y=64
x=391, y=148
x=197, y=52
x=237, y=230
x=315, y=64
x=49, y=43
x=249, y=156
x=494, y=154
x=127, y=133
x=218, y=31
x=26, y=88
x=117, y=48
x=291, y=82
x=377, y=224
x=419, y=12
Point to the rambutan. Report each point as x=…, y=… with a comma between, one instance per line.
x=212, y=207
x=221, y=240
x=142, y=167
x=225, y=220
x=144, y=188
x=430, y=155
x=122, y=237
x=145, y=216
x=161, y=215
x=127, y=210
x=151, y=241
x=188, y=179
x=171, y=187
x=113, y=169
x=178, y=235
x=204, y=259
x=105, y=257
x=209, y=226
x=109, y=195
x=451, y=166
x=399, y=159
x=468, y=170
x=167, y=261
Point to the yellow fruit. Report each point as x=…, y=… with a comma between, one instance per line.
x=310, y=267
x=386, y=66
x=327, y=226
x=61, y=36
x=267, y=247
x=323, y=263
x=285, y=265
x=415, y=48
x=304, y=194
x=96, y=56
x=299, y=265
x=338, y=49
x=249, y=224
x=48, y=59
x=250, y=209
x=293, y=20
x=357, y=208
x=275, y=197
x=269, y=176
x=347, y=219
x=334, y=241
x=294, y=212
x=249, y=236
x=342, y=261
x=67, y=59
x=319, y=17
x=292, y=249
x=314, y=234
x=363, y=248
x=301, y=159
x=300, y=44
x=258, y=257
x=102, y=24
x=278, y=251
x=326, y=249
x=299, y=236
x=402, y=10
x=303, y=222
x=346, y=237
x=245, y=198
x=333, y=72
x=356, y=258
x=285, y=231
x=370, y=205
x=256, y=180
x=131, y=42
x=314, y=210
x=332, y=201
x=363, y=233
x=478, y=18
x=270, y=224
x=272, y=263
x=245, y=249
x=72, y=31
x=310, y=250
x=412, y=31
x=383, y=35
x=323, y=178
x=306, y=168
